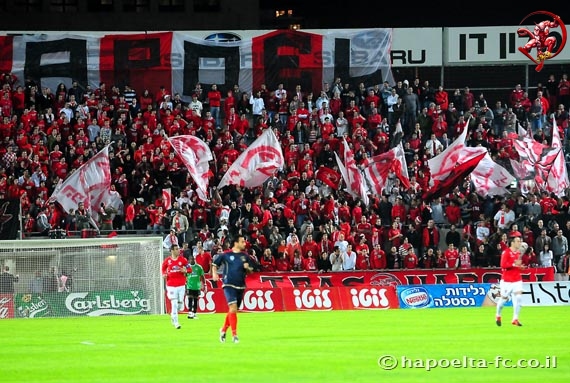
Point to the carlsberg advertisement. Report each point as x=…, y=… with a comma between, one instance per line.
x=119, y=302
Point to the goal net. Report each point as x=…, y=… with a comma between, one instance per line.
x=82, y=277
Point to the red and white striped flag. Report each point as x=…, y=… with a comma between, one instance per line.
x=557, y=181
x=257, y=163
x=90, y=184
x=536, y=158
x=377, y=169
x=196, y=156
x=354, y=180
x=167, y=198
x=442, y=165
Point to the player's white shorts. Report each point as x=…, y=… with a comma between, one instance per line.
x=177, y=292
x=508, y=288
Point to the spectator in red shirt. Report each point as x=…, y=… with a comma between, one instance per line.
x=362, y=259
x=453, y=213
x=199, y=217
x=215, y=101
x=203, y=257
x=399, y=210
x=378, y=258
x=410, y=260
x=547, y=204
x=282, y=262
x=310, y=245
x=395, y=236
x=430, y=236
x=309, y=262
x=267, y=261
x=451, y=257
x=364, y=227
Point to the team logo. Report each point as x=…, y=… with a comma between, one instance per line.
x=548, y=43
x=384, y=280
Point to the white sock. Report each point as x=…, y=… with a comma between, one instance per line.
x=500, y=303
x=517, y=304
x=174, y=312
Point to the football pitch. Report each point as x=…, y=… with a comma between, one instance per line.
x=458, y=345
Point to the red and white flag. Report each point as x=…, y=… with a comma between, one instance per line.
x=377, y=169
x=557, y=180
x=536, y=159
x=328, y=176
x=445, y=163
x=490, y=178
x=196, y=156
x=400, y=166
x=90, y=184
x=167, y=198
x=463, y=168
x=256, y=164
x=523, y=132
x=354, y=180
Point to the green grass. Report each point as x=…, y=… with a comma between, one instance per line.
x=335, y=346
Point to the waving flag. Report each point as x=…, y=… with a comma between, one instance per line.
x=490, y=178
x=90, y=184
x=167, y=198
x=451, y=166
x=328, y=176
x=196, y=156
x=378, y=168
x=557, y=179
x=525, y=176
x=400, y=166
x=351, y=174
x=462, y=168
x=256, y=164
x=444, y=164
x=523, y=132
x=536, y=159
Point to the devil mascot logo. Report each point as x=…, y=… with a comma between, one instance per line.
x=548, y=44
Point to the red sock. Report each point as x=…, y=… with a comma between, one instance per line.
x=233, y=322
x=226, y=323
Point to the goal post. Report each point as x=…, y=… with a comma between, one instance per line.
x=83, y=277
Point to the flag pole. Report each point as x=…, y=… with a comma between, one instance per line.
x=21, y=220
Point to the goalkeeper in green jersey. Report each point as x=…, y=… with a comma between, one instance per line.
x=195, y=284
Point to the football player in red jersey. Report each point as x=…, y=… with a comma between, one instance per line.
x=511, y=284
x=174, y=272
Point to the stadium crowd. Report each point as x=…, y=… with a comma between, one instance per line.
x=295, y=221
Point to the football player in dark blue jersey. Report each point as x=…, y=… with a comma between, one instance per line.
x=236, y=266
